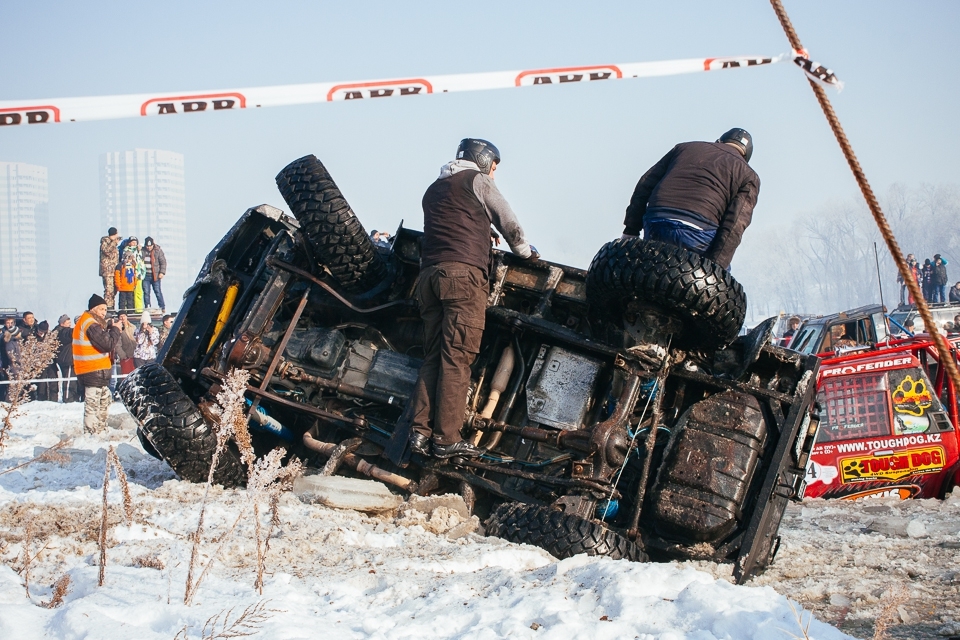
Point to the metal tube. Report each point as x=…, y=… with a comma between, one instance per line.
x=501, y=378
x=300, y=406
x=633, y=530
x=361, y=465
x=297, y=375
x=280, y=264
x=512, y=394
x=336, y=456
x=573, y=440
x=275, y=361
x=592, y=485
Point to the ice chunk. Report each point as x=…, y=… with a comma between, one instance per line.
x=916, y=529
x=338, y=492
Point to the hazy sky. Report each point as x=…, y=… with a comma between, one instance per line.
x=571, y=154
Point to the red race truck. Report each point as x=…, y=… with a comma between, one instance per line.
x=888, y=422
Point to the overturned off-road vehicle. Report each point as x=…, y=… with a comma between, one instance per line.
x=619, y=412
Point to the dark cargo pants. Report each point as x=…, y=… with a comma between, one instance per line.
x=453, y=301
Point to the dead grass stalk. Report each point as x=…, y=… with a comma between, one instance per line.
x=51, y=454
x=60, y=590
x=35, y=356
x=229, y=413
x=892, y=600
x=112, y=460
x=268, y=478
x=248, y=623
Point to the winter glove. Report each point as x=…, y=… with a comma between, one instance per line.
x=534, y=254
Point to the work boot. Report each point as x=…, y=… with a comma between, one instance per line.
x=462, y=448
x=420, y=443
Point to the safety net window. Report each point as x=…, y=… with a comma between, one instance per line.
x=856, y=407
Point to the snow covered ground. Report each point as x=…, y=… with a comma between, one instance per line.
x=342, y=574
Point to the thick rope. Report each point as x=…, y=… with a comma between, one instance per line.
x=946, y=358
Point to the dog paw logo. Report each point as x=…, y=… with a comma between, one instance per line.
x=853, y=469
x=912, y=397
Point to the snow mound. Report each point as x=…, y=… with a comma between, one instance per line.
x=419, y=571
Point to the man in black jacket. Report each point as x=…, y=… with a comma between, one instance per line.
x=458, y=210
x=699, y=196
x=939, y=279
x=156, y=263
x=68, y=388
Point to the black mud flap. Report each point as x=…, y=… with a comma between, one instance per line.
x=779, y=486
x=398, y=447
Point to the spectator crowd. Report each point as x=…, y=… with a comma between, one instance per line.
x=137, y=344
x=130, y=272
x=104, y=340
x=932, y=279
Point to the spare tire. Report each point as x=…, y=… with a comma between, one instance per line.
x=173, y=427
x=695, y=290
x=563, y=535
x=332, y=230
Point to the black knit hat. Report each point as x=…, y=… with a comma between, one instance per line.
x=95, y=301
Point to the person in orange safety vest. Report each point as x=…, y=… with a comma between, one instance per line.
x=94, y=340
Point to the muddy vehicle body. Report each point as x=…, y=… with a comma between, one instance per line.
x=859, y=329
x=615, y=420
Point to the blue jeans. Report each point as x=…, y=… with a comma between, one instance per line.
x=939, y=293
x=155, y=285
x=679, y=234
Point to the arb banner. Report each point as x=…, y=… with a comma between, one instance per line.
x=49, y=110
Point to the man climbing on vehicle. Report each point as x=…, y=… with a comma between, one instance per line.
x=700, y=196
x=458, y=210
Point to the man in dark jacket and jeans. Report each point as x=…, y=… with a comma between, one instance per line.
x=156, y=264
x=700, y=196
x=458, y=210
x=939, y=279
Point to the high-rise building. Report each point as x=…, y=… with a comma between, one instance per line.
x=142, y=194
x=24, y=232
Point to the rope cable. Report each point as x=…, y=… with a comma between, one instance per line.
x=946, y=358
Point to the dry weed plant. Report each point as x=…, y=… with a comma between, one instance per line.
x=804, y=627
x=112, y=460
x=60, y=590
x=35, y=356
x=268, y=478
x=229, y=413
x=52, y=454
x=889, y=612
x=149, y=562
x=27, y=558
x=248, y=623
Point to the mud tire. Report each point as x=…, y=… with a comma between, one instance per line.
x=693, y=289
x=562, y=535
x=172, y=428
x=330, y=226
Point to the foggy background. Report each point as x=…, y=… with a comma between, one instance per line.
x=571, y=154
